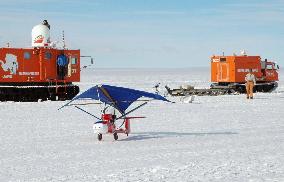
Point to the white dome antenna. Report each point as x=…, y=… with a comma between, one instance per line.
x=41, y=35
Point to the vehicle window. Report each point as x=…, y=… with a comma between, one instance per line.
x=269, y=67
x=47, y=55
x=223, y=59
x=27, y=55
x=73, y=60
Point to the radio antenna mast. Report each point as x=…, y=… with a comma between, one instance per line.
x=63, y=39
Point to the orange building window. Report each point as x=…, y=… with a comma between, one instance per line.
x=47, y=55
x=27, y=55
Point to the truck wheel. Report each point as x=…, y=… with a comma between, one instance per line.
x=100, y=136
x=115, y=136
x=232, y=91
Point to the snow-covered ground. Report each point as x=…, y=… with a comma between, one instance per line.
x=218, y=138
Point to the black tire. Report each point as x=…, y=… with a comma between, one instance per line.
x=241, y=89
x=115, y=136
x=232, y=91
x=100, y=136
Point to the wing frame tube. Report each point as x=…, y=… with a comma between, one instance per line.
x=88, y=112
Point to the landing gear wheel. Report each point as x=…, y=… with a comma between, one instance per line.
x=115, y=136
x=100, y=136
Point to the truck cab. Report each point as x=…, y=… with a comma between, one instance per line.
x=269, y=70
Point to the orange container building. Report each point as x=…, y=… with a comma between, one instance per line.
x=38, y=65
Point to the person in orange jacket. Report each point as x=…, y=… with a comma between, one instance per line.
x=250, y=82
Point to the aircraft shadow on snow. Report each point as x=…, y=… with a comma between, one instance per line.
x=152, y=135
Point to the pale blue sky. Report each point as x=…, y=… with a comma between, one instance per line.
x=151, y=33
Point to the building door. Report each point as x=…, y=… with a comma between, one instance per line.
x=223, y=72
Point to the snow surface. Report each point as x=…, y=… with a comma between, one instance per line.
x=217, y=138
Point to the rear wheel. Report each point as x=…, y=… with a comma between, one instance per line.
x=100, y=136
x=115, y=136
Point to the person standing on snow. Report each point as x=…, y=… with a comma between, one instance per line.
x=250, y=82
x=157, y=88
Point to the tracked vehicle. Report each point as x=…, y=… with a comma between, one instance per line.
x=228, y=76
x=41, y=72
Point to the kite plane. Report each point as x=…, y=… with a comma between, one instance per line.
x=118, y=99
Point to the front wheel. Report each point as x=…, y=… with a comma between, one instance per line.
x=100, y=136
x=115, y=136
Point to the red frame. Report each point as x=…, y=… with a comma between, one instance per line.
x=106, y=118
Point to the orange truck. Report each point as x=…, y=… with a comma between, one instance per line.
x=229, y=72
x=43, y=71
